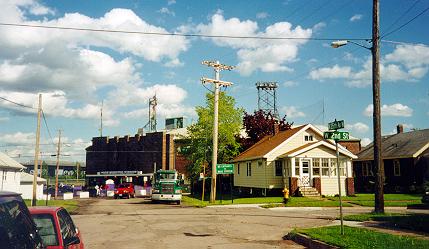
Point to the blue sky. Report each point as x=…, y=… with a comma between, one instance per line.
x=77, y=70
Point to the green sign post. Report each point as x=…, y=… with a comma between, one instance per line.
x=224, y=169
x=337, y=136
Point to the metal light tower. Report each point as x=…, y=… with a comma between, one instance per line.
x=217, y=83
x=267, y=99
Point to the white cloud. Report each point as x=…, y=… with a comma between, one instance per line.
x=174, y=63
x=358, y=127
x=356, y=17
x=262, y=15
x=365, y=141
x=165, y=10
x=4, y=119
x=253, y=54
x=330, y=73
x=318, y=27
x=394, y=110
x=293, y=112
x=406, y=63
x=18, y=138
x=39, y=10
x=171, y=2
x=290, y=83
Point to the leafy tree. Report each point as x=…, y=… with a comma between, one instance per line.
x=260, y=124
x=198, y=145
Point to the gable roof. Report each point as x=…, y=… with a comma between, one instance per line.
x=310, y=146
x=401, y=145
x=267, y=144
x=9, y=163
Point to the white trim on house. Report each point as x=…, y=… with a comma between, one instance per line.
x=322, y=142
x=421, y=150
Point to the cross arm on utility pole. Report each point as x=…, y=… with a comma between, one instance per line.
x=217, y=66
x=220, y=82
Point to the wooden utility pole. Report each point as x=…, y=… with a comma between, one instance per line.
x=36, y=153
x=217, y=83
x=378, y=160
x=58, y=163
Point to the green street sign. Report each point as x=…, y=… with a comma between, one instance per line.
x=224, y=169
x=336, y=135
x=336, y=125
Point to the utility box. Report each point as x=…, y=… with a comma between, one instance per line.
x=174, y=123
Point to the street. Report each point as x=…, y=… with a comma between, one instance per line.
x=137, y=223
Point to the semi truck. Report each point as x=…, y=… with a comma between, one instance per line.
x=166, y=186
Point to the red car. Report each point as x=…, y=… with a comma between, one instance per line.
x=56, y=228
x=124, y=190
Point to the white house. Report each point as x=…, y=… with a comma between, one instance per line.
x=10, y=174
x=27, y=186
x=298, y=159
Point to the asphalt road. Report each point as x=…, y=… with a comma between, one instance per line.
x=137, y=223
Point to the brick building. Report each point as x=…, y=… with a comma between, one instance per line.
x=128, y=156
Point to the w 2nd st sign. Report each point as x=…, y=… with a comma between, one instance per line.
x=336, y=135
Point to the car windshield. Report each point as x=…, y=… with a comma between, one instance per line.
x=46, y=228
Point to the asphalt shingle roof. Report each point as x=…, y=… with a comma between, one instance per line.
x=402, y=145
x=267, y=144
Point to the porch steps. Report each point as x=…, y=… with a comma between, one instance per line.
x=308, y=191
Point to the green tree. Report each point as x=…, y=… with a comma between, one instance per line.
x=198, y=145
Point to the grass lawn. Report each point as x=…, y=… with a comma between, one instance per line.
x=416, y=222
x=357, y=238
x=270, y=201
x=390, y=200
x=70, y=205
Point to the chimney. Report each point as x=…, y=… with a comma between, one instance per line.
x=399, y=128
x=276, y=129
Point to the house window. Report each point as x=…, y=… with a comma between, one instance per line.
x=343, y=164
x=316, y=166
x=396, y=168
x=4, y=175
x=259, y=163
x=249, y=169
x=297, y=166
x=333, y=167
x=325, y=167
x=238, y=169
x=279, y=167
x=308, y=138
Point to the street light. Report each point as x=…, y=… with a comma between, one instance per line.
x=378, y=161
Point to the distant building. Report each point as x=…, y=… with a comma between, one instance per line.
x=174, y=123
x=130, y=158
x=406, y=163
x=27, y=186
x=66, y=168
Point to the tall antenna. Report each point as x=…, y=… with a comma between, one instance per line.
x=267, y=99
x=152, y=113
x=101, y=118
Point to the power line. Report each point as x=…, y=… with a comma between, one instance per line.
x=405, y=43
x=403, y=14
x=18, y=104
x=179, y=34
x=405, y=24
x=324, y=4
x=47, y=128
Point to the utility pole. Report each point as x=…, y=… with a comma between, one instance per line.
x=378, y=161
x=36, y=153
x=217, y=82
x=58, y=163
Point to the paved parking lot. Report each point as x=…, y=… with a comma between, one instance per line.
x=137, y=223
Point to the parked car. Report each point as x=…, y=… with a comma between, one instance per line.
x=56, y=228
x=17, y=229
x=124, y=190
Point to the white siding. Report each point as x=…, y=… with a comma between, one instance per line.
x=330, y=186
x=11, y=182
x=27, y=191
x=263, y=176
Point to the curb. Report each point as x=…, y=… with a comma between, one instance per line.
x=308, y=242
